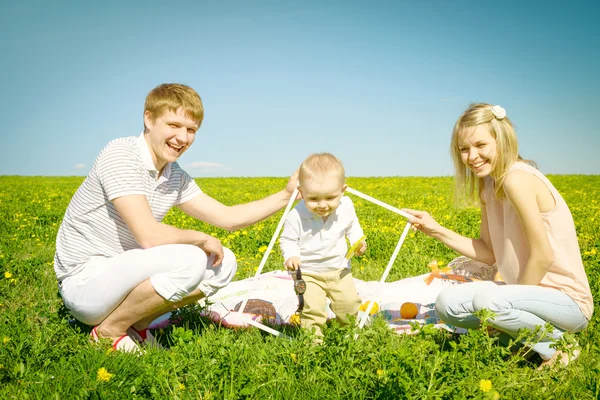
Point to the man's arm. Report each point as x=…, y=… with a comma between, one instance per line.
x=211, y=211
x=136, y=212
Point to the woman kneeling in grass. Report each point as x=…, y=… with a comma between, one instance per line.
x=526, y=230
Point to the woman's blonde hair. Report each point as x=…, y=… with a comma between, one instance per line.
x=172, y=97
x=321, y=164
x=468, y=185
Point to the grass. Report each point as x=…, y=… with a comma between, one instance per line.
x=45, y=354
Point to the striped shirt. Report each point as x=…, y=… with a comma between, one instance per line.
x=92, y=227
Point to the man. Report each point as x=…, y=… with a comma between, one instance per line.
x=118, y=266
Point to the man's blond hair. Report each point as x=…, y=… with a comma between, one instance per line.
x=321, y=164
x=172, y=97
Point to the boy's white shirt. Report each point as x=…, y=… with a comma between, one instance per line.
x=321, y=245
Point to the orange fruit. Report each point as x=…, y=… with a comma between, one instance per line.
x=409, y=310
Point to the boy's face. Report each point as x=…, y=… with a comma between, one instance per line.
x=322, y=195
x=169, y=136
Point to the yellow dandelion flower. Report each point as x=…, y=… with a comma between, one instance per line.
x=374, y=310
x=7, y=275
x=262, y=249
x=295, y=319
x=294, y=357
x=5, y=340
x=103, y=375
x=485, y=385
x=181, y=386
x=380, y=372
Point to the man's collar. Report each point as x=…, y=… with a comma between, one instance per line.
x=147, y=158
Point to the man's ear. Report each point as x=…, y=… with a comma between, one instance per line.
x=344, y=189
x=300, y=192
x=148, y=120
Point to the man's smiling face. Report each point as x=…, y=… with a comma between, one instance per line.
x=169, y=136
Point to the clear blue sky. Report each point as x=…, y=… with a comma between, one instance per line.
x=380, y=84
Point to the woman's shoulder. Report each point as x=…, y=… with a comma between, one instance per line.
x=518, y=180
x=526, y=180
x=526, y=166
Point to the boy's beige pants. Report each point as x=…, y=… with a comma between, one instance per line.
x=339, y=287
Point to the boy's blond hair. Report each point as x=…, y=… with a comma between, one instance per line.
x=320, y=164
x=172, y=97
x=507, y=150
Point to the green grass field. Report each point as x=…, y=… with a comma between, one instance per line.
x=43, y=354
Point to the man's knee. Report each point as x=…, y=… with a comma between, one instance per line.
x=228, y=267
x=219, y=276
x=193, y=265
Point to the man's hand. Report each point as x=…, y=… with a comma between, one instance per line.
x=292, y=263
x=212, y=245
x=293, y=184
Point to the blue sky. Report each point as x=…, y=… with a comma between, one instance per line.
x=379, y=84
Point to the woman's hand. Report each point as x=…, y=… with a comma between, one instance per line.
x=422, y=221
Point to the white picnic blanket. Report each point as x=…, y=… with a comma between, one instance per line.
x=277, y=288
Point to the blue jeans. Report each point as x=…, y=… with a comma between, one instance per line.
x=515, y=306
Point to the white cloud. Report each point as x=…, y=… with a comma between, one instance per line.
x=79, y=166
x=205, y=166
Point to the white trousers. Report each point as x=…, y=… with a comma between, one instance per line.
x=174, y=270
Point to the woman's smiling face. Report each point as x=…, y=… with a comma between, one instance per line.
x=478, y=150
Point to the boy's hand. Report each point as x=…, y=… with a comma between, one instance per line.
x=361, y=250
x=292, y=263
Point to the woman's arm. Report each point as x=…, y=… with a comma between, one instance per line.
x=476, y=249
x=522, y=190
